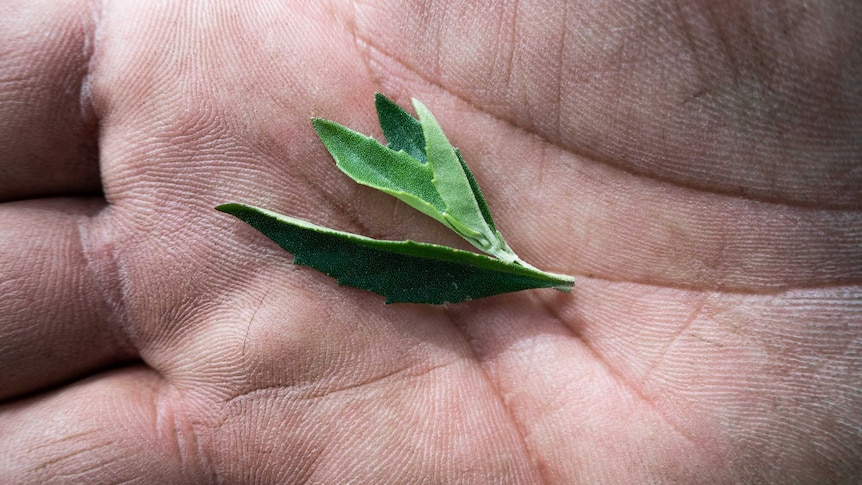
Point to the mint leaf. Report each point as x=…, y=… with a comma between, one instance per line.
x=402, y=271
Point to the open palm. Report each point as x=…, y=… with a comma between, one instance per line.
x=697, y=168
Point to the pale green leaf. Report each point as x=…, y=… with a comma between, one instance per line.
x=369, y=163
x=462, y=212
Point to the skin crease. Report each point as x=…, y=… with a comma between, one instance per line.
x=696, y=166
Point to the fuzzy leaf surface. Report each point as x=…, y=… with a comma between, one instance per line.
x=462, y=213
x=370, y=163
x=401, y=271
x=477, y=193
x=402, y=131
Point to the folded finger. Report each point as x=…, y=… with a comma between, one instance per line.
x=113, y=428
x=47, y=133
x=55, y=308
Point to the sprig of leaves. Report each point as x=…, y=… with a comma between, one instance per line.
x=420, y=167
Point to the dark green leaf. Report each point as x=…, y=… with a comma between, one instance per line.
x=402, y=271
x=402, y=131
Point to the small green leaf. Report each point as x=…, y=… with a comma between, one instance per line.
x=462, y=212
x=444, y=189
x=402, y=131
x=402, y=271
x=369, y=163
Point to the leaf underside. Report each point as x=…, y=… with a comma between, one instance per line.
x=402, y=271
x=452, y=182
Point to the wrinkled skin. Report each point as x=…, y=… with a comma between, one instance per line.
x=696, y=167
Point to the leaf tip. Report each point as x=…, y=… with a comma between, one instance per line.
x=320, y=124
x=565, y=288
x=229, y=207
x=382, y=102
x=418, y=106
x=565, y=282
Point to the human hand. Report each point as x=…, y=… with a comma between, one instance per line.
x=698, y=170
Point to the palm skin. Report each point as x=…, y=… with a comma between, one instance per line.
x=696, y=168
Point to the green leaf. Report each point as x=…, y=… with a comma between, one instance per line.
x=369, y=163
x=419, y=166
x=402, y=131
x=462, y=212
x=499, y=247
x=402, y=271
x=477, y=193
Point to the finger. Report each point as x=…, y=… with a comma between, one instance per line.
x=54, y=305
x=114, y=428
x=47, y=135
